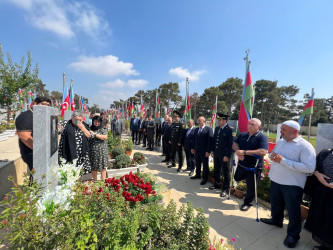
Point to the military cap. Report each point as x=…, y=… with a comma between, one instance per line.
x=176, y=113
x=222, y=116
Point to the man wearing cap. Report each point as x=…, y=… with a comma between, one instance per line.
x=150, y=133
x=202, y=145
x=245, y=146
x=175, y=140
x=221, y=151
x=292, y=159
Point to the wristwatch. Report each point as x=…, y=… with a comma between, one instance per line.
x=244, y=152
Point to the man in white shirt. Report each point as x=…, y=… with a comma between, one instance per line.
x=292, y=159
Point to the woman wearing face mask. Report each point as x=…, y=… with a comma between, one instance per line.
x=73, y=145
x=98, y=148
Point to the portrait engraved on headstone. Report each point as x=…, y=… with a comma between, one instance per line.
x=54, y=134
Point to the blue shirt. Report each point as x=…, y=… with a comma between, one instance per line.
x=253, y=142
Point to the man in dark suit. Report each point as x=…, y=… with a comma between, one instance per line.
x=175, y=140
x=140, y=131
x=144, y=132
x=221, y=151
x=164, y=140
x=166, y=135
x=150, y=133
x=201, y=148
x=188, y=139
x=134, y=127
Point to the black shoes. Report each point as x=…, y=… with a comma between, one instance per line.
x=215, y=186
x=223, y=193
x=191, y=173
x=179, y=169
x=172, y=166
x=245, y=207
x=271, y=222
x=144, y=146
x=187, y=169
x=290, y=242
x=152, y=149
x=165, y=161
x=196, y=177
x=203, y=182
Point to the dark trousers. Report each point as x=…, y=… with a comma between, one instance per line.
x=139, y=136
x=167, y=151
x=164, y=145
x=179, y=150
x=135, y=136
x=190, y=160
x=144, y=140
x=150, y=138
x=289, y=197
x=201, y=159
x=28, y=159
x=241, y=174
x=219, y=165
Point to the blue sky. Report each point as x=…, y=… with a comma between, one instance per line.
x=111, y=49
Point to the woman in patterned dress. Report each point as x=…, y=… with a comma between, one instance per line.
x=73, y=145
x=320, y=218
x=98, y=148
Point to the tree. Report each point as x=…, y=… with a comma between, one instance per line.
x=15, y=76
x=95, y=109
x=194, y=98
x=40, y=89
x=207, y=101
x=288, y=108
x=169, y=95
x=232, y=93
x=320, y=114
x=56, y=95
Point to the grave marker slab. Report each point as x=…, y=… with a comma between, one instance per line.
x=324, y=137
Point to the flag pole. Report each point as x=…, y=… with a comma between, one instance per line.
x=247, y=64
x=63, y=82
x=309, y=128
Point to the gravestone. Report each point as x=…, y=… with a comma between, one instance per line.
x=45, y=141
x=324, y=137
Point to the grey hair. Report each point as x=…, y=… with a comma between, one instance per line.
x=191, y=120
x=257, y=121
x=77, y=113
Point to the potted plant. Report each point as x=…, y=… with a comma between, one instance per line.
x=240, y=189
x=121, y=166
x=117, y=151
x=128, y=147
x=139, y=160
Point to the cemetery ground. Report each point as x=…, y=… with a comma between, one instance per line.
x=225, y=219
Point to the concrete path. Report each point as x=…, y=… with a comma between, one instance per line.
x=224, y=216
x=9, y=149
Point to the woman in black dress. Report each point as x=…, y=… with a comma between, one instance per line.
x=98, y=148
x=320, y=218
x=73, y=145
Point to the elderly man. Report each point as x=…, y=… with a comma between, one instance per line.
x=117, y=126
x=150, y=128
x=188, y=139
x=134, y=127
x=245, y=146
x=221, y=151
x=201, y=148
x=292, y=159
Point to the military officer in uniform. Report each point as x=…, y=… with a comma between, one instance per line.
x=150, y=133
x=176, y=136
x=221, y=152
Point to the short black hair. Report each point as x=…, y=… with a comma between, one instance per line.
x=40, y=99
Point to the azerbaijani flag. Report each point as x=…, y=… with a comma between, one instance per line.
x=212, y=122
x=308, y=109
x=169, y=111
x=158, y=106
x=30, y=99
x=71, y=98
x=65, y=101
x=141, y=109
x=245, y=113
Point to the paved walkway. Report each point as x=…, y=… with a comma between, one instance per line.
x=224, y=216
x=9, y=149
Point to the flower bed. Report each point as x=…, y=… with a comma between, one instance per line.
x=100, y=215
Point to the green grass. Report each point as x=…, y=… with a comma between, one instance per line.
x=312, y=138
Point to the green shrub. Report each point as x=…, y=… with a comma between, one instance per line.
x=241, y=186
x=99, y=218
x=127, y=145
x=113, y=141
x=122, y=161
x=117, y=151
x=264, y=182
x=139, y=158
